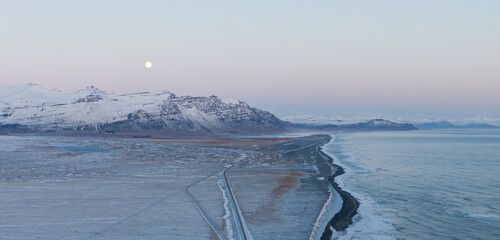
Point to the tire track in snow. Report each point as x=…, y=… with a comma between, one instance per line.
x=135, y=214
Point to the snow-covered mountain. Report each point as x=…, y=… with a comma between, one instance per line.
x=421, y=123
x=313, y=123
x=31, y=107
x=319, y=120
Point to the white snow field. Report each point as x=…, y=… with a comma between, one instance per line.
x=123, y=188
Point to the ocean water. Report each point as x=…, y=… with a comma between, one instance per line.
x=424, y=184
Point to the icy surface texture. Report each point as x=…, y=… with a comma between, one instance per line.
x=111, y=188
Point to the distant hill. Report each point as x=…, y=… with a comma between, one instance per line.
x=373, y=124
x=440, y=124
x=446, y=124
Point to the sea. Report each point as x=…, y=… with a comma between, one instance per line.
x=423, y=184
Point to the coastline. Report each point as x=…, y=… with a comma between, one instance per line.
x=280, y=184
x=342, y=219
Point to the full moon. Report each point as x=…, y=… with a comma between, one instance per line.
x=148, y=64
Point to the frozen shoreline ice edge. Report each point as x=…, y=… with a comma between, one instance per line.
x=367, y=224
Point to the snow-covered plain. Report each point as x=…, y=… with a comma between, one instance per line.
x=110, y=188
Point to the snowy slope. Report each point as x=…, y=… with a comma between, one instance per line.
x=92, y=109
x=340, y=123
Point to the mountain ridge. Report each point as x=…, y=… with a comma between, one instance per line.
x=448, y=125
x=33, y=108
x=368, y=125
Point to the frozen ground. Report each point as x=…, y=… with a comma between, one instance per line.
x=108, y=188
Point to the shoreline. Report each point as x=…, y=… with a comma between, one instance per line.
x=286, y=155
x=342, y=219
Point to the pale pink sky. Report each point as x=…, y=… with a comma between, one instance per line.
x=411, y=58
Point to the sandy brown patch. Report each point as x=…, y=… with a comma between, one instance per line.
x=239, y=142
x=267, y=210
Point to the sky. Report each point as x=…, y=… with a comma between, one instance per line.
x=420, y=58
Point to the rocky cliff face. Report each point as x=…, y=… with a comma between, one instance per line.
x=33, y=108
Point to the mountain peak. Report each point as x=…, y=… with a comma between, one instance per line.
x=92, y=90
x=32, y=84
x=94, y=110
